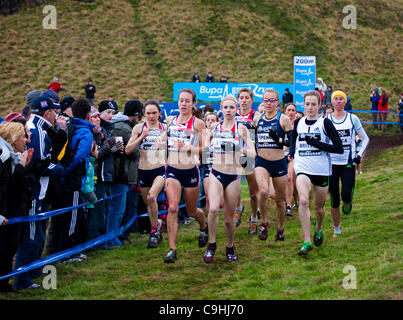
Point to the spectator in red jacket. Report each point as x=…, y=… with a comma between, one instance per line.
x=383, y=108
x=55, y=85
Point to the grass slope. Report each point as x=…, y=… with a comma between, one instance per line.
x=371, y=242
x=138, y=48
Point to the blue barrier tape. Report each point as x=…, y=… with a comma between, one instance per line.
x=52, y=213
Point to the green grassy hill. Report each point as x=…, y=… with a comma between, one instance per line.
x=137, y=49
x=371, y=242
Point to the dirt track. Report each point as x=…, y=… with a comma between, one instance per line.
x=379, y=143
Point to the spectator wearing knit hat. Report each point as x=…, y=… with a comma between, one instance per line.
x=31, y=96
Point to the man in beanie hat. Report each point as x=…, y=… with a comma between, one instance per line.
x=65, y=107
x=31, y=96
x=133, y=109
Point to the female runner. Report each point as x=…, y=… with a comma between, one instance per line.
x=273, y=131
x=184, y=136
x=151, y=172
x=290, y=110
x=229, y=138
x=343, y=165
x=245, y=116
x=310, y=150
x=211, y=120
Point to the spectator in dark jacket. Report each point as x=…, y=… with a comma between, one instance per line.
x=90, y=90
x=374, y=98
x=104, y=167
x=195, y=77
x=15, y=196
x=287, y=97
x=400, y=110
x=328, y=96
x=123, y=165
x=210, y=77
x=133, y=110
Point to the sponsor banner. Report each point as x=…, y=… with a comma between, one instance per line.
x=304, y=78
x=214, y=92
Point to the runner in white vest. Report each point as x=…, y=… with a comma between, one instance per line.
x=310, y=149
x=343, y=165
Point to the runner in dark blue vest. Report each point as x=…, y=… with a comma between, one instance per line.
x=273, y=131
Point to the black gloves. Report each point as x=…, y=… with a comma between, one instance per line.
x=273, y=134
x=311, y=141
x=357, y=160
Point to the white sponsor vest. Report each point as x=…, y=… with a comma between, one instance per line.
x=346, y=132
x=309, y=159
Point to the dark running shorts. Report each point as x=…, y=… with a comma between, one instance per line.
x=146, y=177
x=225, y=179
x=319, y=181
x=277, y=168
x=188, y=178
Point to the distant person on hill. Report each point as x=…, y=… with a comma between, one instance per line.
x=195, y=77
x=90, y=90
x=55, y=85
x=383, y=109
x=400, y=110
x=320, y=85
x=287, y=97
x=328, y=96
x=223, y=79
x=374, y=98
x=210, y=77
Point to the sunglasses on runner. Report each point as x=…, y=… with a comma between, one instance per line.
x=272, y=100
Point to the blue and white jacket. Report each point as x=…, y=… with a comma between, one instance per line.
x=42, y=146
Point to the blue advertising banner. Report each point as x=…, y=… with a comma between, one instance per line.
x=214, y=92
x=304, y=78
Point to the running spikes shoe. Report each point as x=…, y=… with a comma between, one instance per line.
x=288, y=211
x=203, y=237
x=264, y=227
x=306, y=247
x=231, y=254
x=318, y=238
x=171, y=256
x=252, y=227
x=279, y=235
x=295, y=205
x=209, y=254
x=347, y=207
x=155, y=239
x=238, y=215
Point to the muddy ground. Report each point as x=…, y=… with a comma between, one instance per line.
x=379, y=143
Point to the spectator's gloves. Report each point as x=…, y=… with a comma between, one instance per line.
x=357, y=160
